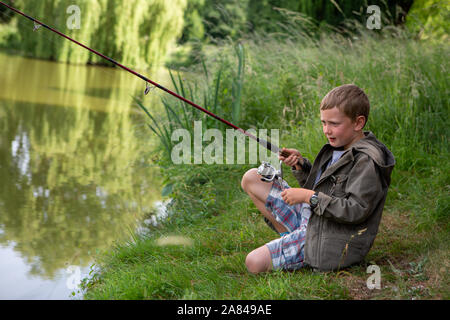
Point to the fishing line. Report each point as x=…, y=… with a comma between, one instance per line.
x=38, y=24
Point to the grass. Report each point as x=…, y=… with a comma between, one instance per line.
x=207, y=269
x=212, y=265
x=285, y=78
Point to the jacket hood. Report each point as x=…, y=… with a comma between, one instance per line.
x=379, y=153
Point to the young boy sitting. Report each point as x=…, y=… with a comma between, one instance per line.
x=332, y=220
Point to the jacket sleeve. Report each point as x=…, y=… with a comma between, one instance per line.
x=362, y=193
x=302, y=175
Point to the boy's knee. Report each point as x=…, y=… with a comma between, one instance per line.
x=252, y=263
x=257, y=262
x=247, y=178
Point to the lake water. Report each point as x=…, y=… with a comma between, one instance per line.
x=75, y=171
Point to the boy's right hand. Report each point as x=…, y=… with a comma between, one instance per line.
x=291, y=157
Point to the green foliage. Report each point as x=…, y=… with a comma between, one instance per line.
x=335, y=12
x=193, y=25
x=231, y=18
x=214, y=19
x=181, y=115
x=429, y=19
x=5, y=14
x=263, y=16
x=225, y=18
x=136, y=33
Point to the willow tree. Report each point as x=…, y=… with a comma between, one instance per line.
x=135, y=32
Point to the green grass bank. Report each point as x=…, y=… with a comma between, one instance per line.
x=285, y=78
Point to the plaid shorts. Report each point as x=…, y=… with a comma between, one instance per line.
x=287, y=252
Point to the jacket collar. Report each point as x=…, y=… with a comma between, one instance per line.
x=327, y=154
x=368, y=145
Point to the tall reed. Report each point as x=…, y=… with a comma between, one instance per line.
x=181, y=115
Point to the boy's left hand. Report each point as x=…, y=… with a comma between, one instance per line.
x=294, y=196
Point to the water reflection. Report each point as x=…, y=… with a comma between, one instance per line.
x=69, y=149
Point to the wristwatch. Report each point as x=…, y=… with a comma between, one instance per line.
x=314, y=200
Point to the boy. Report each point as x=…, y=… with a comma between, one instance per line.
x=331, y=222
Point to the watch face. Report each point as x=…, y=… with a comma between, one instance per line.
x=314, y=200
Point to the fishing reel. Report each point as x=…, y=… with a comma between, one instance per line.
x=269, y=173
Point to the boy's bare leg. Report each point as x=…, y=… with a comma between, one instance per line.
x=259, y=191
x=259, y=260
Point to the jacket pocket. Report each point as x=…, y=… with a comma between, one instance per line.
x=338, y=253
x=339, y=183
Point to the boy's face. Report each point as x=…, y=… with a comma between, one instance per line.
x=339, y=129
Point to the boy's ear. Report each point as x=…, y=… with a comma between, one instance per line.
x=360, y=122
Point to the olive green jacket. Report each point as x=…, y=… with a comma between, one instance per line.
x=352, y=193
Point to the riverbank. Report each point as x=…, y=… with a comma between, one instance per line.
x=208, y=250
x=215, y=223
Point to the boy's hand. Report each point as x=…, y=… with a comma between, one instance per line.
x=296, y=195
x=291, y=157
